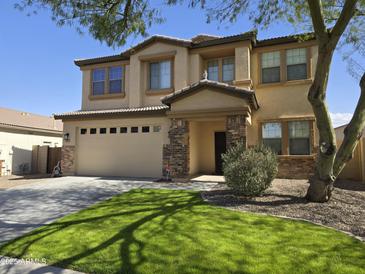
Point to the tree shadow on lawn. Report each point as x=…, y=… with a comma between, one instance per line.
x=132, y=220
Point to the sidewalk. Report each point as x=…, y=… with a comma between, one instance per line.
x=15, y=266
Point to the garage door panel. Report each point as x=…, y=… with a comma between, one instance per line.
x=131, y=154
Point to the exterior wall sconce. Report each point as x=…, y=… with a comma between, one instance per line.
x=66, y=136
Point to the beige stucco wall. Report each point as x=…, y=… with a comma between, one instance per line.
x=202, y=153
x=16, y=147
x=131, y=154
x=279, y=101
x=242, y=63
x=138, y=79
x=206, y=99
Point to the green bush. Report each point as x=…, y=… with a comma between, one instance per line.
x=250, y=171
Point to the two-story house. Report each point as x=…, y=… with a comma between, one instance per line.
x=179, y=104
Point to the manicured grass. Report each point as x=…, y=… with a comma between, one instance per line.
x=167, y=231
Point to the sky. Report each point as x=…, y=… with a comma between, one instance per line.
x=38, y=74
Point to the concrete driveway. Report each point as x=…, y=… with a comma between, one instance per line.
x=26, y=207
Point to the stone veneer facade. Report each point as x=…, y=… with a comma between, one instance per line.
x=176, y=154
x=68, y=160
x=296, y=167
x=235, y=129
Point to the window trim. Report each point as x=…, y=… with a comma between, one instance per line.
x=285, y=134
x=107, y=94
x=281, y=133
x=162, y=91
x=220, y=67
x=309, y=137
x=104, y=81
x=283, y=65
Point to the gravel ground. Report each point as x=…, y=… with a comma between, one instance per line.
x=345, y=211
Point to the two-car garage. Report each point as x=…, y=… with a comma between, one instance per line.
x=119, y=147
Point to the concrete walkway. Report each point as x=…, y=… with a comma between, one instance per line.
x=29, y=206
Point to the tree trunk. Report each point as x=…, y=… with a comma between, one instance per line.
x=321, y=184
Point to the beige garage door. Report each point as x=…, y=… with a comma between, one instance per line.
x=101, y=152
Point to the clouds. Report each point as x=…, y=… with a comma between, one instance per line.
x=340, y=119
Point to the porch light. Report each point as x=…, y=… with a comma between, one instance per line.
x=66, y=137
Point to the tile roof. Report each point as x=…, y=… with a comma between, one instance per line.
x=285, y=39
x=189, y=43
x=15, y=118
x=233, y=90
x=111, y=112
x=199, y=41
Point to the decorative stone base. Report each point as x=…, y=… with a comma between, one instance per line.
x=296, y=167
x=68, y=160
x=235, y=130
x=176, y=154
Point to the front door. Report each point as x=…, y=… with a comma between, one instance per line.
x=220, y=148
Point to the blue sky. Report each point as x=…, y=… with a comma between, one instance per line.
x=38, y=74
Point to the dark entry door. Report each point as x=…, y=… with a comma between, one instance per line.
x=220, y=148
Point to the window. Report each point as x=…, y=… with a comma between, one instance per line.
x=213, y=70
x=115, y=79
x=123, y=130
x=270, y=67
x=160, y=75
x=98, y=84
x=93, y=131
x=299, y=138
x=271, y=136
x=156, y=128
x=145, y=129
x=103, y=130
x=83, y=131
x=134, y=129
x=228, y=69
x=113, y=130
x=296, y=64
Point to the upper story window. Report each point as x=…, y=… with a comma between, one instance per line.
x=221, y=69
x=213, y=70
x=296, y=64
x=271, y=136
x=299, y=138
x=270, y=67
x=160, y=75
x=98, y=84
x=228, y=69
x=107, y=80
x=295, y=67
x=115, y=79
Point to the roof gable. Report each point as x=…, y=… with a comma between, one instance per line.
x=216, y=86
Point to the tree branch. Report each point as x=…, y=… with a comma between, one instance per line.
x=319, y=26
x=347, y=13
x=352, y=132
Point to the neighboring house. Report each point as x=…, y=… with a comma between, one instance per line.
x=150, y=108
x=19, y=132
x=355, y=168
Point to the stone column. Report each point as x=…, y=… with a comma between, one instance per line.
x=235, y=130
x=176, y=154
x=68, y=160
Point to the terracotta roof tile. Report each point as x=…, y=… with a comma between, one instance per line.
x=249, y=94
x=110, y=112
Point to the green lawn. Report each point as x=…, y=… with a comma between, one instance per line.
x=167, y=231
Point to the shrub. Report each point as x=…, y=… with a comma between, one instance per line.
x=250, y=171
